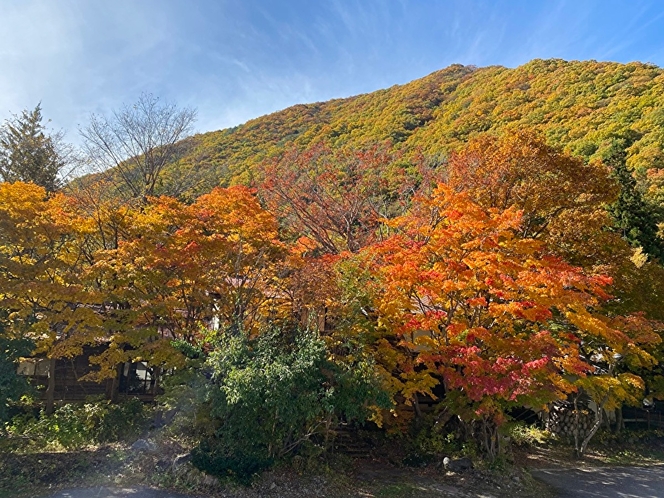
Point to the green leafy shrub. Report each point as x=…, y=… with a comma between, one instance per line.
x=522, y=434
x=121, y=421
x=189, y=350
x=12, y=386
x=430, y=442
x=185, y=393
x=274, y=394
x=221, y=457
x=78, y=425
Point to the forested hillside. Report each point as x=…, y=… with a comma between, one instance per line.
x=435, y=259
x=347, y=248
x=581, y=106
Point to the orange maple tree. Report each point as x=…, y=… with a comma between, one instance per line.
x=466, y=300
x=181, y=268
x=562, y=199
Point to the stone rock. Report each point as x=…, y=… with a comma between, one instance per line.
x=460, y=465
x=144, y=445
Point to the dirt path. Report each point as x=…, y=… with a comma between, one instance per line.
x=605, y=482
x=103, y=492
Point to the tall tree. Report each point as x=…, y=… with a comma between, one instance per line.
x=28, y=153
x=178, y=268
x=40, y=274
x=632, y=217
x=336, y=197
x=134, y=144
x=181, y=265
x=466, y=298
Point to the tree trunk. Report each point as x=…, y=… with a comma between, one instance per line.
x=50, y=391
x=490, y=438
x=591, y=433
x=619, y=419
x=580, y=450
x=109, y=389
x=113, y=393
x=576, y=427
x=416, y=405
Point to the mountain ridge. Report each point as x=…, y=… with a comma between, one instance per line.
x=581, y=106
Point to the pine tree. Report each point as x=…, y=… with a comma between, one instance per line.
x=632, y=216
x=28, y=153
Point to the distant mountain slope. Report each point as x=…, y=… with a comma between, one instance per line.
x=581, y=106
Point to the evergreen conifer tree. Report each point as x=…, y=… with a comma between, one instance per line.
x=28, y=153
x=632, y=216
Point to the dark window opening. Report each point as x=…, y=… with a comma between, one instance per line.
x=137, y=378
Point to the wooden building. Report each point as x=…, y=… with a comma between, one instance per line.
x=132, y=379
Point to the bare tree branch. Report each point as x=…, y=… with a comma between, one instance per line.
x=134, y=145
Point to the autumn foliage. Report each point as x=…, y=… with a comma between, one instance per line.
x=468, y=301
x=170, y=270
x=494, y=289
x=337, y=198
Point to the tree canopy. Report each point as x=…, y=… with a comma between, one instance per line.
x=28, y=153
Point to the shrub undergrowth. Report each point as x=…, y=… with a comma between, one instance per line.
x=74, y=426
x=278, y=395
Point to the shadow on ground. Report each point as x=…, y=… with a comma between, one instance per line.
x=125, y=492
x=605, y=482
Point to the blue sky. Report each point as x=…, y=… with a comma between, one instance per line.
x=238, y=59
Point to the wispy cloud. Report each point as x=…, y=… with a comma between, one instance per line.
x=237, y=59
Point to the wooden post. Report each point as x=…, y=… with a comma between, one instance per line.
x=50, y=391
x=156, y=371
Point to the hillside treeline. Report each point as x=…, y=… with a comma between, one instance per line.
x=580, y=106
x=336, y=292
x=479, y=241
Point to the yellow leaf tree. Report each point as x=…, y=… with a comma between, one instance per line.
x=40, y=274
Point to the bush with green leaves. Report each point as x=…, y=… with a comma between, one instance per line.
x=276, y=394
x=12, y=386
x=76, y=425
x=191, y=351
x=185, y=392
x=522, y=434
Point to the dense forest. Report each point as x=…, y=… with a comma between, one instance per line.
x=477, y=242
x=578, y=106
